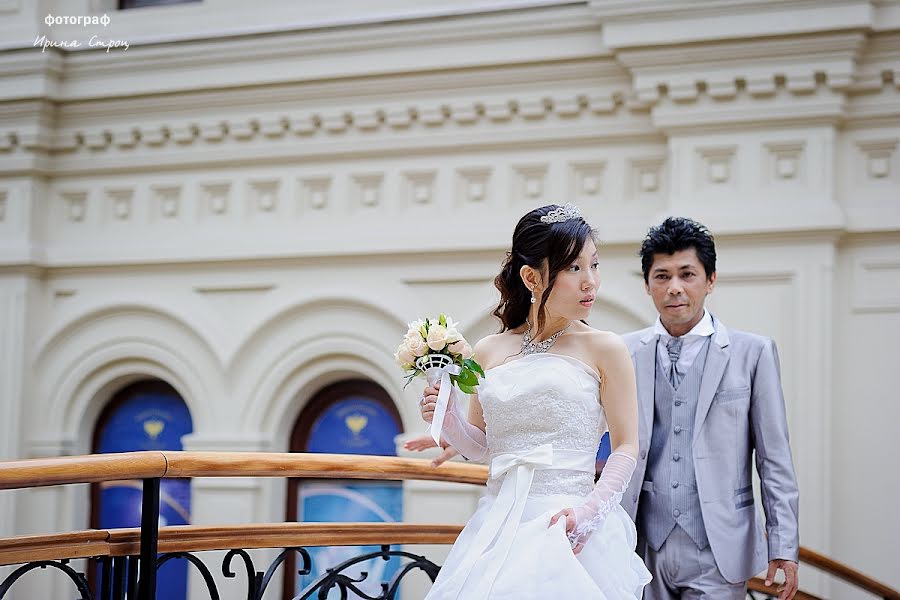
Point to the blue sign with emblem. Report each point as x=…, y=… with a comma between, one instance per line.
x=148, y=421
x=354, y=425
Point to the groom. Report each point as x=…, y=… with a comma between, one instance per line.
x=710, y=402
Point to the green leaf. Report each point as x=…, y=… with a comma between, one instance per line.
x=467, y=377
x=466, y=389
x=474, y=366
x=442, y=319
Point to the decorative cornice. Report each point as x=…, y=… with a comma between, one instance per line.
x=315, y=123
x=800, y=65
x=804, y=78
x=289, y=95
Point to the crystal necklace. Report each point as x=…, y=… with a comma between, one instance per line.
x=531, y=347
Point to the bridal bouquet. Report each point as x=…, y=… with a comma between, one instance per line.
x=436, y=350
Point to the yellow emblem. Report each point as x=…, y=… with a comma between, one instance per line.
x=153, y=428
x=356, y=423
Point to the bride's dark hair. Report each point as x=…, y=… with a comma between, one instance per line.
x=546, y=247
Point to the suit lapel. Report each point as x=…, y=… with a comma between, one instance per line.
x=645, y=368
x=716, y=361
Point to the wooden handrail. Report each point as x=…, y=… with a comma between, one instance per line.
x=328, y=466
x=758, y=585
x=194, y=538
x=848, y=574
x=93, y=468
x=39, y=472
x=188, y=538
x=76, y=544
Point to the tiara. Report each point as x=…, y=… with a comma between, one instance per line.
x=563, y=213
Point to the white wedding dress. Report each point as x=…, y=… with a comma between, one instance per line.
x=544, y=424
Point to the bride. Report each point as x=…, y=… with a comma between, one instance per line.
x=553, y=386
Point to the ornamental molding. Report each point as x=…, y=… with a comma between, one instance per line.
x=675, y=104
x=813, y=97
x=310, y=124
x=831, y=76
x=798, y=65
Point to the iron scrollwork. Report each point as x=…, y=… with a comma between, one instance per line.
x=76, y=577
x=120, y=574
x=335, y=578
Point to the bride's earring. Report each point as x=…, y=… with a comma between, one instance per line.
x=532, y=297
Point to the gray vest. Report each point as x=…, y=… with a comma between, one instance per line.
x=670, y=464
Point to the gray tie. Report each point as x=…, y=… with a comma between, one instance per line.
x=674, y=348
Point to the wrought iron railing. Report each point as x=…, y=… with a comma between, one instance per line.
x=127, y=560
x=117, y=555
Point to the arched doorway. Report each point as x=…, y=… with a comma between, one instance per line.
x=146, y=415
x=349, y=417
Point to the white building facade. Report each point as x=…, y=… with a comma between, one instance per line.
x=251, y=201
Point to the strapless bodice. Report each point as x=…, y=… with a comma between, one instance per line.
x=543, y=399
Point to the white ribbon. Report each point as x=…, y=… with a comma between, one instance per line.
x=440, y=408
x=502, y=519
x=542, y=456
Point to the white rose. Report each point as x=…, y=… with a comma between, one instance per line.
x=467, y=351
x=453, y=335
x=458, y=347
x=415, y=327
x=437, y=337
x=404, y=356
x=417, y=345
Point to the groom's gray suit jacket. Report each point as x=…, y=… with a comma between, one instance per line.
x=740, y=411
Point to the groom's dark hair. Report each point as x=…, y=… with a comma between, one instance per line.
x=674, y=235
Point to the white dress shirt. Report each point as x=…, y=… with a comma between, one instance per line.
x=693, y=343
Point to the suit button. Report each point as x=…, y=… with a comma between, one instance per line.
x=678, y=403
x=643, y=454
x=677, y=457
x=676, y=513
x=678, y=429
x=674, y=484
x=634, y=498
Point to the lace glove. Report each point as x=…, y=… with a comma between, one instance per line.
x=469, y=440
x=607, y=493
